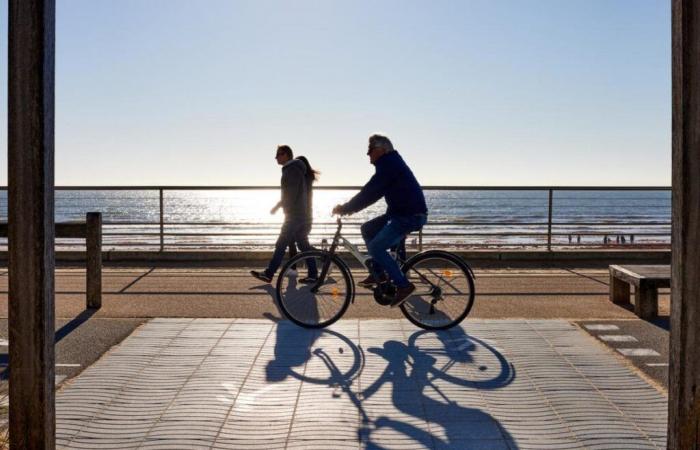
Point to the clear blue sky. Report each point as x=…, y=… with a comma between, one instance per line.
x=487, y=92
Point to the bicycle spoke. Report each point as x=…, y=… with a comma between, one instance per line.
x=444, y=291
x=317, y=304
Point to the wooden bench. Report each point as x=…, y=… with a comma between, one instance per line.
x=646, y=280
x=91, y=231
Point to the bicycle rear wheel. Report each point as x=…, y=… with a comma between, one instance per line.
x=444, y=292
x=314, y=305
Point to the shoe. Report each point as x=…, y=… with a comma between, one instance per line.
x=262, y=276
x=307, y=280
x=402, y=294
x=370, y=281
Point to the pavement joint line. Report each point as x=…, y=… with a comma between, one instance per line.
x=657, y=364
x=240, y=388
x=296, y=403
x=546, y=399
x=433, y=439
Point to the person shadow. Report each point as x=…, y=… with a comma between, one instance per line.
x=292, y=343
x=422, y=390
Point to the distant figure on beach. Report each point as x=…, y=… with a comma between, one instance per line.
x=406, y=212
x=311, y=177
x=295, y=202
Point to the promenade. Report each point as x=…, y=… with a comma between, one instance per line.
x=200, y=358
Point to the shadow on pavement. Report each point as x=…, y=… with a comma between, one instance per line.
x=421, y=374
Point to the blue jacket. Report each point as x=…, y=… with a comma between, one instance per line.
x=394, y=181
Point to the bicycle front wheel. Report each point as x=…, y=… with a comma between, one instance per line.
x=444, y=292
x=319, y=304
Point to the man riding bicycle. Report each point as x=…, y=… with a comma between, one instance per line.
x=406, y=212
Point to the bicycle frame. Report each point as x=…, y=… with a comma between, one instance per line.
x=340, y=240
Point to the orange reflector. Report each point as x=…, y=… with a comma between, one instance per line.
x=447, y=273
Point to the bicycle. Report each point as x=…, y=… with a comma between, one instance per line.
x=443, y=297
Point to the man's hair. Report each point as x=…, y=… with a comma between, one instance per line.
x=377, y=140
x=286, y=150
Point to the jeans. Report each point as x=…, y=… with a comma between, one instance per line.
x=293, y=230
x=385, y=232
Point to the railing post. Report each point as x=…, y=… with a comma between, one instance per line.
x=93, y=248
x=162, y=233
x=549, y=222
x=420, y=240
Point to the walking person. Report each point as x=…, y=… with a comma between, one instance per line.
x=406, y=212
x=295, y=197
x=311, y=178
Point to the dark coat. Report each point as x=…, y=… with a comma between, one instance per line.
x=394, y=181
x=294, y=190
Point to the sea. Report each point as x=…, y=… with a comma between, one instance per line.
x=458, y=218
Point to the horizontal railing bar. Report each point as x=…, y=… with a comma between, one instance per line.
x=430, y=224
x=429, y=188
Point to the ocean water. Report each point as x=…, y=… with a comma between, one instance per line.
x=241, y=219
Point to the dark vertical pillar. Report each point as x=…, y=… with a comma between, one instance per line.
x=684, y=376
x=93, y=258
x=31, y=223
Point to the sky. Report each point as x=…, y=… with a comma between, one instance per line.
x=471, y=92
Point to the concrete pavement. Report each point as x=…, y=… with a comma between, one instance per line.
x=241, y=383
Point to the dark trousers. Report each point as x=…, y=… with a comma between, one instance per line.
x=372, y=227
x=293, y=230
x=383, y=233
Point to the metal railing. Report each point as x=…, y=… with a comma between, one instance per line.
x=537, y=217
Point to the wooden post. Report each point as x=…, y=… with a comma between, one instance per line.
x=684, y=374
x=93, y=258
x=31, y=223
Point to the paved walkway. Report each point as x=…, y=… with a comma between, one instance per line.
x=247, y=383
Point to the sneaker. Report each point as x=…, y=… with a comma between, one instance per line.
x=262, y=276
x=402, y=294
x=308, y=280
x=370, y=281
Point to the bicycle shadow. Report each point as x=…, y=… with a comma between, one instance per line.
x=421, y=389
x=434, y=378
